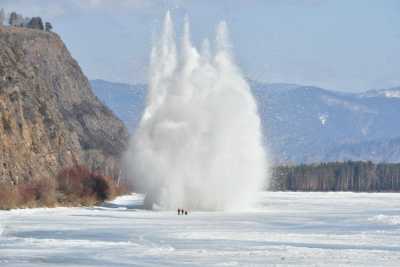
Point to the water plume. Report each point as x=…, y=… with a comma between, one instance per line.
x=199, y=143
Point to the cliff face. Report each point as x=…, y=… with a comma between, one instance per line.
x=49, y=117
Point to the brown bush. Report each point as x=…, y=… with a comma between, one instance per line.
x=26, y=195
x=8, y=196
x=78, y=185
x=72, y=186
x=37, y=193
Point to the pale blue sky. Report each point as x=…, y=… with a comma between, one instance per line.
x=348, y=45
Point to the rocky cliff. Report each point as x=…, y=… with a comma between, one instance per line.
x=49, y=117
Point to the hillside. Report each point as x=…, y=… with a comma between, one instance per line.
x=127, y=101
x=311, y=124
x=50, y=119
x=386, y=150
x=302, y=124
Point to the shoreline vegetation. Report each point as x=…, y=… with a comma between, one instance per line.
x=75, y=186
x=353, y=176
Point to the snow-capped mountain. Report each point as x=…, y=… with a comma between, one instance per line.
x=306, y=123
x=388, y=93
x=301, y=123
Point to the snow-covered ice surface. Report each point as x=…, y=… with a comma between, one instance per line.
x=286, y=229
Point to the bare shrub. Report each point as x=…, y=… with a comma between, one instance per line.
x=46, y=192
x=77, y=185
x=26, y=195
x=72, y=186
x=37, y=193
x=8, y=196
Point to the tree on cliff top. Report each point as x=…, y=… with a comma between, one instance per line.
x=2, y=17
x=35, y=23
x=48, y=27
x=17, y=20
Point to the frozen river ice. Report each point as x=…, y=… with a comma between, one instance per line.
x=286, y=229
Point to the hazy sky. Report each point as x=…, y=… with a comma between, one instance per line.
x=345, y=45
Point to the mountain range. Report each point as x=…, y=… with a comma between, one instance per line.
x=302, y=124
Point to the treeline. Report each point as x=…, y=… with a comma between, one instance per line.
x=75, y=186
x=357, y=176
x=17, y=20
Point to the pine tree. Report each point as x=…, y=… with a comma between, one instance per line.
x=48, y=27
x=13, y=19
x=2, y=17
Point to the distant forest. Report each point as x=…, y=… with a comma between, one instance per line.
x=357, y=176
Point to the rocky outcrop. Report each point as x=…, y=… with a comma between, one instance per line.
x=49, y=117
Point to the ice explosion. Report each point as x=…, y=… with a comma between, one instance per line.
x=199, y=143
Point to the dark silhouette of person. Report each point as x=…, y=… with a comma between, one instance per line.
x=179, y=211
x=186, y=213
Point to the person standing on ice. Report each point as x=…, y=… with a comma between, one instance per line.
x=179, y=212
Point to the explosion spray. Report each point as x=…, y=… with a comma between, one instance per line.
x=199, y=143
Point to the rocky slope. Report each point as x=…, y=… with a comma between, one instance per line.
x=49, y=117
